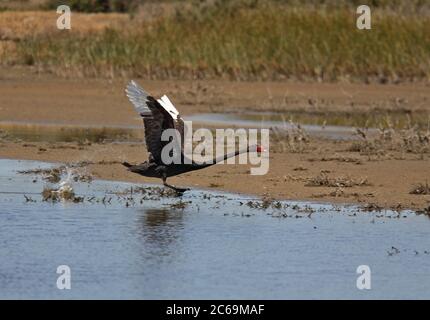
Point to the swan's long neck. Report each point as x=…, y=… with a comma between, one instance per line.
x=229, y=155
x=219, y=159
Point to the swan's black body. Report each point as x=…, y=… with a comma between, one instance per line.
x=159, y=115
x=155, y=170
x=159, y=170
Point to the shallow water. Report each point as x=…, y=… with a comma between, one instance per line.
x=69, y=133
x=397, y=118
x=332, y=126
x=267, y=120
x=216, y=247
x=56, y=132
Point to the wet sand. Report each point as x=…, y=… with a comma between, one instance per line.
x=388, y=181
x=28, y=97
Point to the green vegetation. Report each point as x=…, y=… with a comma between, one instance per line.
x=246, y=40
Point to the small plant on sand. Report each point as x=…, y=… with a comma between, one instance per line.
x=323, y=180
x=425, y=211
x=290, y=137
x=410, y=139
x=3, y=134
x=420, y=189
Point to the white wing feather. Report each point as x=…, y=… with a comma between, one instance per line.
x=168, y=106
x=138, y=98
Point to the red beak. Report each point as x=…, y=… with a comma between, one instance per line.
x=260, y=149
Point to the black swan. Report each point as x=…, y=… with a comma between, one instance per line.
x=159, y=115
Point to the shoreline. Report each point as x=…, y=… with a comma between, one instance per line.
x=249, y=196
x=208, y=189
x=281, y=183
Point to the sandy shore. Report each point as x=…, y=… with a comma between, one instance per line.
x=386, y=183
x=354, y=177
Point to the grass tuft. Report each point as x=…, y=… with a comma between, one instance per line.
x=421, y=188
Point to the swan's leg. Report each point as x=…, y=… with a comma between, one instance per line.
x=176, y=189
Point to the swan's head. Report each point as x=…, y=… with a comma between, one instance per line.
x=260, y=149
x=256, y=148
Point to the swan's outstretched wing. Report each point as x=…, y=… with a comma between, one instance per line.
x=158, y=115
x=139, y=98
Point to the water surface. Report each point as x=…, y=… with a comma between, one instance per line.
x=268, y=120
x=149, y=247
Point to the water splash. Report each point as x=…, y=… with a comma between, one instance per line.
x=65, y=190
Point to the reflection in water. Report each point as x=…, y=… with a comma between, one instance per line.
x=160, y=230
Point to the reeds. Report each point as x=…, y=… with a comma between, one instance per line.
x=409, y=139
x=255, y=40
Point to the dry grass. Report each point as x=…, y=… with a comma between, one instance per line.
x=410, y=139
x=19, y=25
x=237, y=40
x=323, y=180
x=290, y=137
